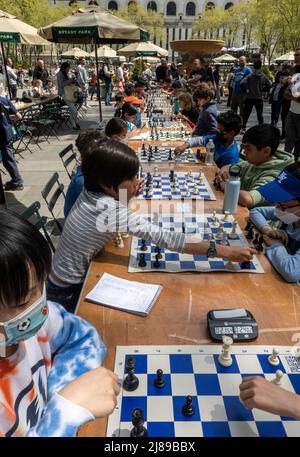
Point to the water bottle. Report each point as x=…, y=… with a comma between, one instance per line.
x=232, y=190
x=210, y=152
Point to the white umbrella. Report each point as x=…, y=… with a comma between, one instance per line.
x=148, y=59
x=289, y=57
x=225, y=58
x=74, y=53
x=105, y=51
x=143, y=49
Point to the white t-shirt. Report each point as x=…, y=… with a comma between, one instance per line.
x=295, y=107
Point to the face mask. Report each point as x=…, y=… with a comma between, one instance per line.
x=27, y=324
x=124, y=141
x=286, y=218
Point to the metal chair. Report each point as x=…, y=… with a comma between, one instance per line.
x=52, y=191
x=68, y=156
x=32, y=215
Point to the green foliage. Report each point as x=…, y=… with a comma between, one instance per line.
x=137, y=69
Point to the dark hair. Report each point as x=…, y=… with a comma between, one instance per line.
x=231, y=121
x=86, y=140
x=176, y=85
x=23, y=251
x=115, y=126
x=119, y=97
x=204, y=91
x=129, y=109
x=63, y=68
x=257, y=64
x=263, y=135
x=129, y=90
x=109, y=164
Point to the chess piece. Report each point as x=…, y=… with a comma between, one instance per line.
x=233, y=234
x=188, y=408
x=156, y=264
x=246, y=265
x=226, y=216
x=278, y=378
x=125, y=235
x=214, y=220
x=200, y=172
x=250, y=234
x=142, y=262
x=274, y=359
x=260, y=244
x=195, y=190
x=170, y=155
x=297, y=351
x=159, y=381
x=119, y=241
x=225, y=358
x=143, y=246
x=131, y=382
x=255, y=241
x=138, y=431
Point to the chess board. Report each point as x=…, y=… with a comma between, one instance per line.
x=160, y=135
x=162, y=153
x=163, y=187
x=174, y=262
x=163, y=123
x=195, y=371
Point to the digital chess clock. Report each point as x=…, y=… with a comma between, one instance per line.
x=239, y=324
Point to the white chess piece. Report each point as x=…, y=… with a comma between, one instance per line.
x=273, y=359
x=125, y=235
x=297, y=351
x=215, y=222
x=200, y=172
x=226, y=216
x=233, y=235
x=195, y=190
x=225, y=358
x=278, y=378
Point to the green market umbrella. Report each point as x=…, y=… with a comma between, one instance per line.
x=93, y=25
x=147, y=49
x=12, y=30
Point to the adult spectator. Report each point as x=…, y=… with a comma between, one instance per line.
x=292, y=125
x=6, y=144
x=64, y=80
x=120, y=77
x=108, y=75
x=12, y=78
x=238, y=97
x=254, y=85
x=229, y=85
x=276, y=97
x=146, y=74
x=217, y=79
x=197, y=74
x=41, y=73
x=83, y=78
x=162, y=71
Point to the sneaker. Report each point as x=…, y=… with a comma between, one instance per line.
x=10, y=185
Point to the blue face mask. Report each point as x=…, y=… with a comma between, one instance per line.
x=25, y=325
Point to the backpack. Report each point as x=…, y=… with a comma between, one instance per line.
x=102, y=75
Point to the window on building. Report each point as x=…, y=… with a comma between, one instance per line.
x=171, y=9
x=152, y=6
x=132, y=4
x=228, y=5
x=190, y=9
x=113, y=6
x=210, y=6
x=93, y=3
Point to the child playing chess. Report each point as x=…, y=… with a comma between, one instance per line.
x=116, y=129
x=51, y=380
x=226, y=149
x=110, y=174
x=129, y=113
x=263, y=163
x=283, y=243
x=207, y=120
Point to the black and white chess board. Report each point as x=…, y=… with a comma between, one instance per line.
x=165, y=154
x=195, y=371
x=143, y=255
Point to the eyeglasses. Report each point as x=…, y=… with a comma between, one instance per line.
x=284, y=208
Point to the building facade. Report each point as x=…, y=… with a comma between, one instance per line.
x=179, y=16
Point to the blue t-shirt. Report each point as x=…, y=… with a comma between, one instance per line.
x=74, y=190
x=130, y=126
x=6, y=133
x=240, y=74
x=224, y=155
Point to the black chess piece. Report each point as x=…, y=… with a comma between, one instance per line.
x=158, y=253
x=188, y=408
x=171, y=175
x=156, y=264
x=170, y=155
x=246, y=265
x=256, y=239
x=260, y=244
x=138, y=431
x=131, y=382
x=249, y=225
x=159, y=381
x=183, y=227
x=142, y=262
x=250, y=234
x=143, y=246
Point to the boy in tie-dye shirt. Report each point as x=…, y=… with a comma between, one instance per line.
x=51, y=382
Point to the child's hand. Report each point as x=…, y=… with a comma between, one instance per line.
x=96, y=391
x=236, y=253
x=270, y=241
x=180, y=149
x=257, y=392
x=224, y=173
x=140, y=187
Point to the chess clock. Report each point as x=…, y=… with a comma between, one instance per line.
x=239, y=324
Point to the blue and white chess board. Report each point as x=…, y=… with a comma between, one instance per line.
x=195, y=371
x=165, y=154
x=185, y=185
x=174, y=262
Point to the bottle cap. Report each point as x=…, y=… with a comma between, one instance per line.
x=235, y=170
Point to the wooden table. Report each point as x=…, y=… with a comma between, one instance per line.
x=179, y=316
x=20, y=106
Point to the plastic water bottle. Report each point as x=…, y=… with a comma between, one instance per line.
x=210, y=152
x=232, y=190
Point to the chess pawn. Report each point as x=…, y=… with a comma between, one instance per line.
x=233, y=235
x=215, y=222
x=225, y=358
x=125, y=235
x=278, y=378
x=119, y=241
x=200, y=173
x=226, y=216
x=274, y=359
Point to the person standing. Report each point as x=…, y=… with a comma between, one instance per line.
x=12, y=78
x=64, y=80
x=198, y=74
x=83, y=79
x=254, y=85
x=229, y=85
x=6, y=144
x=108, y=70
x=292, y=125
x=120, y=77
x=238, y=98
x=162, y=71
x=217, y=79
x=146, y=74
x=93, y=81
x=41, y=73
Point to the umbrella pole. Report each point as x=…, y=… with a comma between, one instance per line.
x=5, y=69
x=98, y=83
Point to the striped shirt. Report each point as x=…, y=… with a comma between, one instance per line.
x=93, y=221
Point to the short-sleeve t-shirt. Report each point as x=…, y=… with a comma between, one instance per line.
x=240, y=73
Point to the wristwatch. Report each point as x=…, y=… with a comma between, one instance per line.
x=212, y=250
